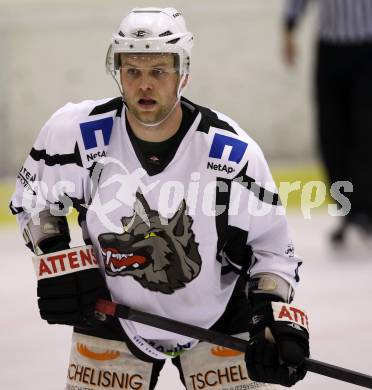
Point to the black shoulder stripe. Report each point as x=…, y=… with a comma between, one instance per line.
x=261, y=193
x=57, y=159
x=111, y=105
x=210, y=119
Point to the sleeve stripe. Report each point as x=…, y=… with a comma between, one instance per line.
x=57, y=159
x=261, y=193
x=15, y=210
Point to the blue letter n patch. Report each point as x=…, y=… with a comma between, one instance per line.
x=219, y=143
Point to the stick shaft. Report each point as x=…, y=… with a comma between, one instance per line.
x=195, y=332
x=340, y=373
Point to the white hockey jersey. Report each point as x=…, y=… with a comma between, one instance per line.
x=171, y=243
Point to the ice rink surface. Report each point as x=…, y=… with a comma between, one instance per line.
x=336, y=291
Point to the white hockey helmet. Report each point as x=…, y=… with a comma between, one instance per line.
x=151, y=30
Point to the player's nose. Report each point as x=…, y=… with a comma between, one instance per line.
x=145, y=82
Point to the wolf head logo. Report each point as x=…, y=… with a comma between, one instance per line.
x=160, y=254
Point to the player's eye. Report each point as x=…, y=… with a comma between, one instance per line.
x=158, y=72
x=162, y=73
x=151, y=234
x=131, y=72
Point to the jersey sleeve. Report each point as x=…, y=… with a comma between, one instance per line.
x=257, y=210
x=52, y=176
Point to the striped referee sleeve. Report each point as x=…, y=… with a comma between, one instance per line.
x=340, y=21
x=293, y=11
x=345, y=20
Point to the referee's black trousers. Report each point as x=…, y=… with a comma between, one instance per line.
x=343, y=80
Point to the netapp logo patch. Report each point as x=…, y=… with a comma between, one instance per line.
x=220, y=167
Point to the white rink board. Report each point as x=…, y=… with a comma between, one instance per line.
x=336, y=291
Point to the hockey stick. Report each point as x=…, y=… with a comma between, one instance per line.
x=116, y=310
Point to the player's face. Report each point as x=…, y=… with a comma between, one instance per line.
x=150, y=83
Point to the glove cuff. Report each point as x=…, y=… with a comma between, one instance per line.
x=290, y=314
x=275, y=313
x=64, y=262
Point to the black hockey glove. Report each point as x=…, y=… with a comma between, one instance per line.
x=69, y=284
x=281, y=360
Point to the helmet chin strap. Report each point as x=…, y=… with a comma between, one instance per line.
x=154, y=124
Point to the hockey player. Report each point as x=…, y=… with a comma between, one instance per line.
x=180, y=218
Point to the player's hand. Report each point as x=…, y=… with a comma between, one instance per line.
x=289, y=49
x=69, y=284
x=281, y=359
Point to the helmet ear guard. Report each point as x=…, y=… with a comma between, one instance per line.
x=110, y=66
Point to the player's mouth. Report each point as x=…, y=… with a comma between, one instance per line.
x=146, y=103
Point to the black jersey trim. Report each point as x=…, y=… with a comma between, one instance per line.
x=236, y=240
x=111, y=105
x=210, y=119
x=237, y=253
x=261, y=193
x=233, y=252
x=297, y=275
x=223, y=191
x=15, y=210
x=57, y=159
